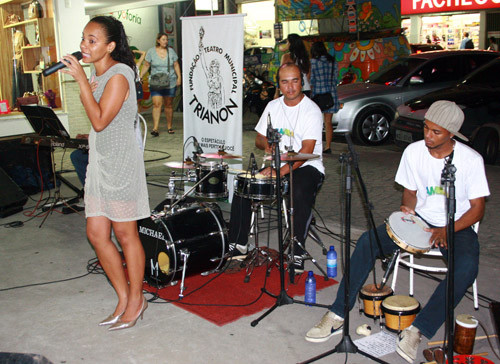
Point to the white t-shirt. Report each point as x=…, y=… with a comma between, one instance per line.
x=295, y=124
x=420, y=171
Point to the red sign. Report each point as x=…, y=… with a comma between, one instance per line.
x=409, y=7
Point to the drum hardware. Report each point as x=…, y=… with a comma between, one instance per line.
x=257, y=256
x=308, y=256
x=184, y=258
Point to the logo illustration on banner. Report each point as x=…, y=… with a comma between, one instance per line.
x=214, y=100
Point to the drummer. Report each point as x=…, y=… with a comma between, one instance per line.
x=300, y=123
x=419, y=173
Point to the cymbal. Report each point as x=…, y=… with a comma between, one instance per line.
x=220, y=154
x=293, y=157
x=180, y=165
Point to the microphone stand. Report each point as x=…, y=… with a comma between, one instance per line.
x=346, y=345
x=448, y=180
x=282, y=298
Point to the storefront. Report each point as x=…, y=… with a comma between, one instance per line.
x=444, y=22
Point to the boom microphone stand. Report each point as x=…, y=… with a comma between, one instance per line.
x=273, y=138
x=448, y=180
x=346, y=345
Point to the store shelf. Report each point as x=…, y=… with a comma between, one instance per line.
x=18, y=24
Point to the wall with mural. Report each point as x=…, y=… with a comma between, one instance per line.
x=365, y=35
x=360, y=58
x=371, y=15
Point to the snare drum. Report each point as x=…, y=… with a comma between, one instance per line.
x=215, y=186
x=407, y=231
x=194, y=234
x=372, y=298
x=399, y=312
x=259, y=187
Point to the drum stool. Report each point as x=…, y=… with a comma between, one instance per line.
x=427, y=268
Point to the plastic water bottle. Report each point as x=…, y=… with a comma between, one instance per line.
x=331, y=262
x=310, y=296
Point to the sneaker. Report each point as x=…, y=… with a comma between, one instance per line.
x=408, y=341
x=331, y=324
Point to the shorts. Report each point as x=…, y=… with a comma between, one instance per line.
x=168, y=92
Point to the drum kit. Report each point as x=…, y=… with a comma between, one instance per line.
x=186, y=234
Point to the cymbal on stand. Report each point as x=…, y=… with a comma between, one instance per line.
x=221, y=155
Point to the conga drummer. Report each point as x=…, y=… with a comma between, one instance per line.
x=419, y=173
x=300, y=122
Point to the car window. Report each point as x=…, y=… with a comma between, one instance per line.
x=473, y=61
x=486, y=76
x=396, y=71
x=443, y=69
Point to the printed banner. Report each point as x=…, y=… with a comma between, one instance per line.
x=212, y=64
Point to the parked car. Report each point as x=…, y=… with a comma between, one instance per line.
x=367, y=109
x=477, y=95
x=425, y=47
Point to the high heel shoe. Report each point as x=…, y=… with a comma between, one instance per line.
x=120, y=325
x=111, y=320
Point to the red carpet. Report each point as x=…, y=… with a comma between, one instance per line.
x=227, y=298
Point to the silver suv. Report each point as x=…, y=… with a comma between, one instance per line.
x=368, y=108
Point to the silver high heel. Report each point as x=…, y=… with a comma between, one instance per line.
x=120, y=325
x=110, y=320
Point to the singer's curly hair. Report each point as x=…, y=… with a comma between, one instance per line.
x=116, y=33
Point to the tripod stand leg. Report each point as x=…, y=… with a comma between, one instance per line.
x=307, y=255
x=314, y=236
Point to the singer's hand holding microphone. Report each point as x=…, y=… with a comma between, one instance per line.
x=69, y=64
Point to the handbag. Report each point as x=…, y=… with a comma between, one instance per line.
x=138, y=90
x=160, y=81
x=325, y=100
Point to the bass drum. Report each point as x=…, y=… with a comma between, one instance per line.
x=193, y=237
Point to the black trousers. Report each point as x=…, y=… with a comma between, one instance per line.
x=306, y=184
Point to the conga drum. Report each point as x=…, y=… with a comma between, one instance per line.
x=407, y=231
x=399, y=312
x=372, y=298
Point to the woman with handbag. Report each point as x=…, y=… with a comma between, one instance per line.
x=164, y=79
x=324, y=87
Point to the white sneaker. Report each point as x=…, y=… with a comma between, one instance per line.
x=238, y=250
x=408, y=342
x=329, y=325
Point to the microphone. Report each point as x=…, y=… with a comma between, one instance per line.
x=197, y=148
x=269, y=132
x=390, y=266
x=57, y=66
x=254, y=164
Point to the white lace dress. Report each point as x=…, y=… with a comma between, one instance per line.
x=115, y=186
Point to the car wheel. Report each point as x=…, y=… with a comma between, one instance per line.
x=371, y=126
x=486, y=143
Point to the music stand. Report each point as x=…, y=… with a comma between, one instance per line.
x=45, y=122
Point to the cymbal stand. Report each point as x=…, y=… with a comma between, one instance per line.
x=346, y=345
x=448, y=180
x=282, y=298
x=257, y=256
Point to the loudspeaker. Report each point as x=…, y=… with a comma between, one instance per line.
x=27, y=165
x=12, y=198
